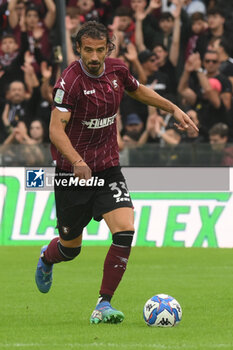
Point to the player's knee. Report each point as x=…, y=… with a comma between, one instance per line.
x=69, y=253
x=124, y=227
x=123, y=238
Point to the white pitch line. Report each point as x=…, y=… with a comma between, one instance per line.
x=114, y=345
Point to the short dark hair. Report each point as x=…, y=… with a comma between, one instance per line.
x=94, y=30
x=220, y=129
x=7, y=35
x=224, y=43
x=124, y=11
x=216, y=11
x=32, y=7
x=165, y=16
x=210, y=51
x=160, y=45
x=8, y=86
x=197, y=16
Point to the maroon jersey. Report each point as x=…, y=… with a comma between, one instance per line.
x=93, y=102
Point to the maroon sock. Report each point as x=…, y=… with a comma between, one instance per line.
x=52, y=254
x=114, y=268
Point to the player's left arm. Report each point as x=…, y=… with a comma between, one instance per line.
x=150, y=97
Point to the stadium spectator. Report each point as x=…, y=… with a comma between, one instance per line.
x=192, y=136
x=38, y=132
x=192, y=6
x=123, y=28
x=4, y=26
x=199, y=27
x=19, y=107
x=11, y=60
x=133, y=129
x=173, y=35
x=156, y=80
x=130, y=58
x=216, y=20
x=73, y=24
x=206, y=90
x=17, y=9
x=90, y=10
x=37, y=29
x=165, y=65
x=175, y=39
x=87, y=10
x=164, y=130
x=91, y=146
x=21, y=149
x=46, y=87
x=146, y=24
x=224, y=49
x=222, y=153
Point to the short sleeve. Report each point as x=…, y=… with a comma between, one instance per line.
x=130, y=83
x=66, y=90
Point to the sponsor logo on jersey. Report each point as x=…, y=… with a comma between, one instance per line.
x=99, y=123
x=89, y=92
x=59, y=96
x=62, y=83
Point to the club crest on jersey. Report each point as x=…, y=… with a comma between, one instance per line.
x=65, y=230
x=99, y=123
x=115, y=84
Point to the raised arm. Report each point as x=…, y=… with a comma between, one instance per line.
x=13, y=16
x=175, y=45
x=69, y=48
x=45, y=88
x=212, y=95
x=139, y=17
x=58, y=137
x=51, y=13
x=183, y=87
x=132, y=57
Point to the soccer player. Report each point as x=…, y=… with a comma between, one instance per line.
x=84, y=142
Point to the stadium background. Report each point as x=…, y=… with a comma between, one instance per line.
x=175, y=207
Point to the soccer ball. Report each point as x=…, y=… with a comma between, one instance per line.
x=162, y=310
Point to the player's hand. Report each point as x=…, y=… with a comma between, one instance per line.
x=82, y=170
x=184, y=121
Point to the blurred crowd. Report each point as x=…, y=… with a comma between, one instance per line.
x=182, y=49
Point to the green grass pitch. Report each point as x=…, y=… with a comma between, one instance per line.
x=200, y=279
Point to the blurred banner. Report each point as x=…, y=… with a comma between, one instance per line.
x=176, y=219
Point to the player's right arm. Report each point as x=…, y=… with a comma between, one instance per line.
x=59, y=138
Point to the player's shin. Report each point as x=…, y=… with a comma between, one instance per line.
x=115, y=264
x=56, y=252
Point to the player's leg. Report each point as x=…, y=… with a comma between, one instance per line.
x=120, y=222
x=57, y=251
x=66, y=247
